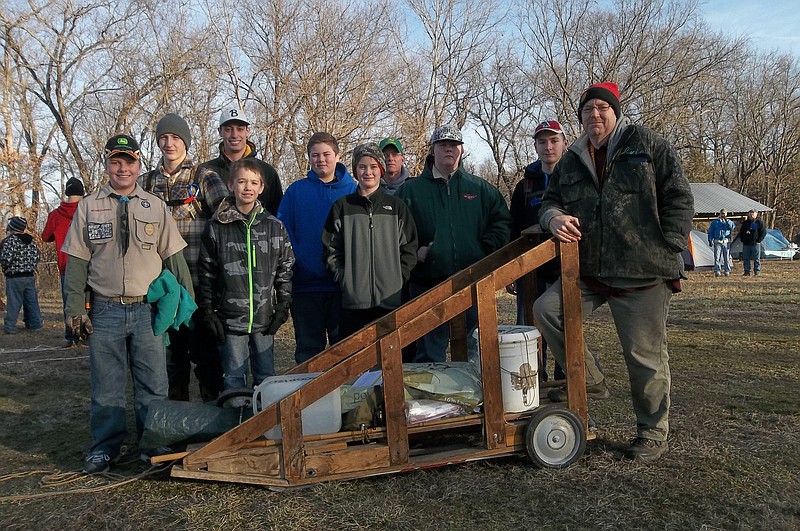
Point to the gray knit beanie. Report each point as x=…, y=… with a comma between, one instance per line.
x=370, y=149
x=172, y=123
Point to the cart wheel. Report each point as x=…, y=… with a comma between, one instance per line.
x=233, y=398
x=555, y=437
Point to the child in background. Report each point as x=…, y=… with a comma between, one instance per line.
x=19, y=257
x=370, y=244
x=245, y=272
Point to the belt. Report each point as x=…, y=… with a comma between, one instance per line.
x=122, y=299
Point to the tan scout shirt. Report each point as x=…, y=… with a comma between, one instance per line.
x=94, y=236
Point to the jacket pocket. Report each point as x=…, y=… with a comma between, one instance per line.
x=633, y=172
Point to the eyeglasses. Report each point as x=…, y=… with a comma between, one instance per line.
x=601, y=108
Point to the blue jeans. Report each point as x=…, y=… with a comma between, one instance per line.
x=238, y=349
x=722, y=259
x=123, y=341
x=315, y=317
x=432, y=347
x=751, y=252
x=21, y=294
x=68, y=335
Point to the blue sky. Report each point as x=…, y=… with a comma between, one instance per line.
x=773, y=25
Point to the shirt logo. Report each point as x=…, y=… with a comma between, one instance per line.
x=469, y=197
x=149, y=229
x=145, y=203
x=387, y=207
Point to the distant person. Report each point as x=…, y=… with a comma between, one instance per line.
x=752, y=233
x=192, y=194
x=719, y=239
x=55, y=230
x=245, y=278
x=19, y=257
x=460, y=219
x=550, y=143
x=396, y=172
x=120, y=240
x=234, y=128
x=395, y=177
x=316, y=298
x=620, y=192
x=370, y=243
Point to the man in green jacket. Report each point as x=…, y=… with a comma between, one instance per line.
x=460, y=219
x=620, y=191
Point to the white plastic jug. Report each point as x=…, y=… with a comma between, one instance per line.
x=323, y=416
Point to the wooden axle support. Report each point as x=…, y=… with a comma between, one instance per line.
x=243, y=455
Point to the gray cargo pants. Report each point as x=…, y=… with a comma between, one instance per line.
x=640, y=317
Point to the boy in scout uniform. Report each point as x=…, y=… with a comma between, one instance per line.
x=120, y=239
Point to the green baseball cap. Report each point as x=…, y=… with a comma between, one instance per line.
x=391, y=141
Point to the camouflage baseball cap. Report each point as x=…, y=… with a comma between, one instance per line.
x=447, y=132
x=370, y=149
x=391, y=141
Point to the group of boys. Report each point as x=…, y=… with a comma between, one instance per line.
x=338, y=252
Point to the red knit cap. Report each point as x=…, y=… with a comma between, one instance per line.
x=607, y=91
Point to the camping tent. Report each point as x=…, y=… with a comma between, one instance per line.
x=699, y=255
x=775, y=245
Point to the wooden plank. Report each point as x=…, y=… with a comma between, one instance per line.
x=248, y=462
x=458, y=338
x=293, y=462
x=490, y=364
x=321, y=447
x=394, y=399
x=573, y=332
x=353, y=459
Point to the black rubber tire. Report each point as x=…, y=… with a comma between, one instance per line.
x=555, y=437
x=235, y=397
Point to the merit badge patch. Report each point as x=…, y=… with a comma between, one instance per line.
x=100, y=231
x=145, y=203
x=149, y=229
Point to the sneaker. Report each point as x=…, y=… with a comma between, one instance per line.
x=96, y=463
x=597, y=391
x=70, y=344
x=727, y=274
x=758, y=273
x=146, y=455
x=9, y=332
x=646, y=449
x=716, y=274
x=747, y=274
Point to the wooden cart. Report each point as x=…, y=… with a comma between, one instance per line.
x=554, y=436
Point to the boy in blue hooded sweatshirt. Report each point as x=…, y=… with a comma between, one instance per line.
x=316, y=298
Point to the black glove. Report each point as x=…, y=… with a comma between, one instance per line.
x=212, y=322
x=280, y=316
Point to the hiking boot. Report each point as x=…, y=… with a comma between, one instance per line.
x=597, y=391
x=646, y=449
x=146, y=455
x=96, y=463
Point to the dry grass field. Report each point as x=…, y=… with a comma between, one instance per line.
x=733, y=461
